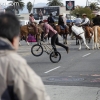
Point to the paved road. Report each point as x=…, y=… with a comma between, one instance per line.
x=76, y=76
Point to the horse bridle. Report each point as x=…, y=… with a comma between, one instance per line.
x=80, y=33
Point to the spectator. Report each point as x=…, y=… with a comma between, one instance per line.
x=17, y=80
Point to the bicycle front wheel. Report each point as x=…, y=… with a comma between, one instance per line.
x=37, y=50
x=55, y=57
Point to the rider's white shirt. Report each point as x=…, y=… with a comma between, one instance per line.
x=86, y=21
x=78, y=21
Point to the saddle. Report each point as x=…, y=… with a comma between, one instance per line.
x=61, y=27
x=88, y=31
x=30, y=27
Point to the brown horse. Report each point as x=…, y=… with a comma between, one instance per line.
x=62, y=32
x=27, y=29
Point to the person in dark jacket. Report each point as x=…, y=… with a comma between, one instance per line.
x=50, y=19
x=61, y=21
x=96, y=20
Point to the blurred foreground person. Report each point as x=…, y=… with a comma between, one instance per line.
x=17, y=80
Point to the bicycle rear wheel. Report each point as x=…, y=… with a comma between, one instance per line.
x=37, y=50
x=55, y=58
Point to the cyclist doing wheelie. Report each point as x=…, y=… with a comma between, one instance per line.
x=54, y=36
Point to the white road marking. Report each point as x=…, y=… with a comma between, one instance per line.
x=86, y=55
x=52, y=69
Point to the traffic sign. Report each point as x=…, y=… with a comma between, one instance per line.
x=69, y=5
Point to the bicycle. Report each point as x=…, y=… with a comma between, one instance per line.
x=38, y=49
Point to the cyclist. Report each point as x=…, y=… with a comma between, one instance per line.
x=53, y=34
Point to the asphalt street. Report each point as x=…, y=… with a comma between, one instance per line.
x=75, y=77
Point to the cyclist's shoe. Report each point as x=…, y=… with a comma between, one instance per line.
x=67, y=49
x=54, y=55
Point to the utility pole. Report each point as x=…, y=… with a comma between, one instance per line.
x=33, y=5
x=87, y=3
x=70, y=14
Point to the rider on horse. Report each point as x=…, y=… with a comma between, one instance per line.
x=51, y=20
x=96, y=20
x=33, y=23
x=85, y=24
x=78, y=20
x=62, y=21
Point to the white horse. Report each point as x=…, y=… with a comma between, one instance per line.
x=80, y=32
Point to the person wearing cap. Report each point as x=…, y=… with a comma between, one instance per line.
x=85, y=24
x=48, y=30
x=61, y=21
x=86, y=20
x=33, y=23
x=96, y=20
x=78, y=20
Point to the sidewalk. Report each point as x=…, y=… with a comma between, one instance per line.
x=73, y=92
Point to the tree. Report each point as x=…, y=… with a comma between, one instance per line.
x=29, y=6
x=82, y=10
x=94, y=6
x=55, y=3
x=20, y=5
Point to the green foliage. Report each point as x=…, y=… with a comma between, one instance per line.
x=21, y=4
x=29, y=6
x=94, y=6
x=55, y=3
x=82, y=10
x=16, y=8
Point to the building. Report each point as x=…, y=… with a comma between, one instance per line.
x=58, y=11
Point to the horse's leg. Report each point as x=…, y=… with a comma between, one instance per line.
x=19, y=43
x=77, y=41
x=38, y=38
x=48, y=38
x=79, y=44
x=20, y=38
x=64, y=39
x=96, y=38
x=42, y=35
x=26, y=40
x=83, y=37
